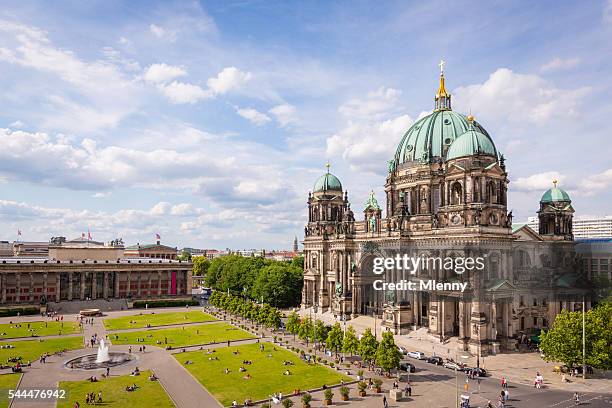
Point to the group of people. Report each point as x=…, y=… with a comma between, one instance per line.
x=90, y=398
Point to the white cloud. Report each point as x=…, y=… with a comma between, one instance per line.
x=163, y=33
x=597, y=182
x=105, y=194
x=253, y=115
x=375, y=104
x=538, y=182
x=17, y=124
x=229, y=79
x=181, y=92
x=558, y=64
x=508, y=96
x=285, y=114
x=163, y=72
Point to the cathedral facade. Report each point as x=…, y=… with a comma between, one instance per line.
x=445, y=196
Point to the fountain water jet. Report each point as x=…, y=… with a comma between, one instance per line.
x=103, y=355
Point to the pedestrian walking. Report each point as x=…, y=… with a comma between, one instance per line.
x=385, y=403
x=408, y=390
x=576, y=399
x=504, y=383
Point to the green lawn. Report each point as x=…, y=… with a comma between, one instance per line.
x=33, y=349
x=156, y=319
x=7, y=382
x=184, y=336
x=149, y=394
x=266, y=372
x=29, y=329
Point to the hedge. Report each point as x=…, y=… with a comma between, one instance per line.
x=141, y=304
x=23, y=311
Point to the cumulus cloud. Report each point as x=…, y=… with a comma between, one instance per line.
x=597, y=182
x=538, y=182
x=90, y=88
x=559, y=64
x=507, y=95
x=163, y=72
x=229, y=79
x=285, y=114
x=374, y=127
x=181, y=92
x=253, y=115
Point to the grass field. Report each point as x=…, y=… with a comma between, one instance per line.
x=33, y=349
x=184, y=336
x=149, y=394
x=157, y=319
x=7, y=382
x=29, y=329
x=266, y=372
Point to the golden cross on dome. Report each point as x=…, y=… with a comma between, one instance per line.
x=328, y=166
x=441, y=65
x=555, y=183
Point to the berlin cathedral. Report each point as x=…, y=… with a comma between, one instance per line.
x=445, y=195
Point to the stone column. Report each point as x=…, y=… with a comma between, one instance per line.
x=18, y=281
x=3, y=284
x=505, y=319
x=94, y=285
x=44, y=286
x=139, y=280
x=129, y=283
x=83, y=279
x=159, y=283
x=70, y=285
x=105, y=288
x=58, y=289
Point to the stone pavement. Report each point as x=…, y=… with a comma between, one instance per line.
x=516, y=367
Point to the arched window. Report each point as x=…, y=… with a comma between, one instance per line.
x=493, y=193
x=456, y=193
x=476, y=197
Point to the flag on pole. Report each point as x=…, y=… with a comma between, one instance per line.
x=88, y=235
x=82, y=235
x=18, y=232
x=157, y=236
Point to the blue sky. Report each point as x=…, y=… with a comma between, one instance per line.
x=208, y=122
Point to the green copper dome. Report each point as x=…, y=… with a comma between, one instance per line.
x=471, y=143
x=327, y=182
x=427, y=138
x=555, y=194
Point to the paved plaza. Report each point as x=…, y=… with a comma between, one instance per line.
x=433, y=386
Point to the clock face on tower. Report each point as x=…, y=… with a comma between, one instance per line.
x=456, y=219
x=493, y=219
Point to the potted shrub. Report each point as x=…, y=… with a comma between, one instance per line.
x=327, y=396
x=377, y=384
x=287, y=403
x=360, y=375
x=306, y=398
x=361, y=386
x=344, y=392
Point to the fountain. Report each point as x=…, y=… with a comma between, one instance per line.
x=103, y=359
x=102, y=356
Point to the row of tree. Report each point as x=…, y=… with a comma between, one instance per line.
x=262, y=314
x=385, y=353
x=564, y=342
x=278, y=283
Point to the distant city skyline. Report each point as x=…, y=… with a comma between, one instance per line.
x=209, y=122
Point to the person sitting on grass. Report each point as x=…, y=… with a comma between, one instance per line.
x=247, y=377
x=188, y=362
x=153, y=377
x=227, y=371
x=287, y=372
x=136, y=372
x=242, y=369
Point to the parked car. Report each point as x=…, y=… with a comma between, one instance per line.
x=402, y=350
x=452, y=366
x=416, y=354
x=407, y=366
x=435, y=360
x=479, y=372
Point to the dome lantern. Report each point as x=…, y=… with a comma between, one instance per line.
x=443, y=98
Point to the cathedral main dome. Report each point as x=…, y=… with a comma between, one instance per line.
x=430, y=138
x=327, y=182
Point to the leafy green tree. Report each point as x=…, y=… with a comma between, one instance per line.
x=293, y=323
x=350, y=343
x=279, y=284
x=200, y=265
x=305, y=330
x=273, y=320
x=298, y=262
x=387, y=353
x=184, y=256
x=563, y=342
x=367, y=347
x=320, y=332
x=334, y=338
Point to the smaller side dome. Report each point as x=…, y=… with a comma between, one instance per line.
x=471, y=143
x=555, y=194
x=327, y=182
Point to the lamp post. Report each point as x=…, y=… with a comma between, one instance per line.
x=457, y=379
